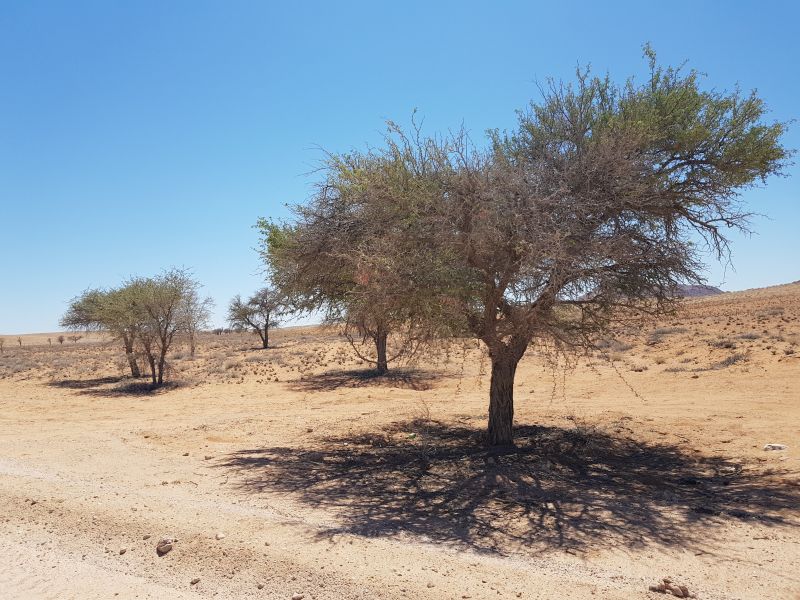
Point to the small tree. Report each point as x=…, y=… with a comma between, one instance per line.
x=195, y=313
x=332, y=257
x=19, y=341
x=112, y=311
x=162, y=304
x=49, y=341
x=75, y=338
x=259, y=313
x=2, y=343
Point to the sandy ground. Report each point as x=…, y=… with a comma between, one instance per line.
x=291, y=472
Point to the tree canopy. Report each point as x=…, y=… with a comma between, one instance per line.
x=589, y=213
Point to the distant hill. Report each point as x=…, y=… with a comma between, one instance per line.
x=698, y=291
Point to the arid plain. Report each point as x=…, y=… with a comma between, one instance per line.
x=291, y=472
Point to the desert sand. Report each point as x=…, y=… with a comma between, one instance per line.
x=291, y=472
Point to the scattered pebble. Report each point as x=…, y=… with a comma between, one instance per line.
x=260, y=586
x=194, y=581
x=146, y=536
x=667, y=587
x=775, y=447
x=122, y=551
x=164, y=545
x=298, y=597
x=219, y=535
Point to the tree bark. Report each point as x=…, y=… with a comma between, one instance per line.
x=265, y=337
x=152, y=361
x=505, y=357
x=382, y=364
x=162, y=359
x=131, y=356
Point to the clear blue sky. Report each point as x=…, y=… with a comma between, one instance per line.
x=141, y=135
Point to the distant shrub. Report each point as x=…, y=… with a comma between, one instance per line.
x=669, y=330
x=748, y=336
x=723, y=343
x=733, y=359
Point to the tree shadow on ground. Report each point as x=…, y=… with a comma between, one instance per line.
x=573, y=489
x=413, y=379
x=109, y=387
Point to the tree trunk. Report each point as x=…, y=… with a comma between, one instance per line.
x=265, y=337
x=192, y=344
x=131, y=356
x=162, y=360
x=152, y=361
x=501, y=400
x=382, y=364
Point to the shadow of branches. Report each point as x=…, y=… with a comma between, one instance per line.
x=109, y=387
x=414, y=379
x=573, y=489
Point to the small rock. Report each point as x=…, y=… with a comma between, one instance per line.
x=775, y=447
x=430, y=585
x=146, y=536
x=164, y=545
x=122, y=551
x=194, y=581
x=207, y=457
x=186, y=454
x=297, y=596
x=219, y=535
x=260, y=586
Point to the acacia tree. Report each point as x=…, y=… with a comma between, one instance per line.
x=331, y=258
x=196, y=312
x=589, y=213
x=145, y=313
x=259, y=313
x=168, y=306
x=112, y=311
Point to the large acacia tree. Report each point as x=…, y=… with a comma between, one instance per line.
x=593, y=211
x=590, y=213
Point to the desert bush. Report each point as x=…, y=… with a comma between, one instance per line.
x=748, y=336
x=733, y=359
x=723, y=343
x=669, y=330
